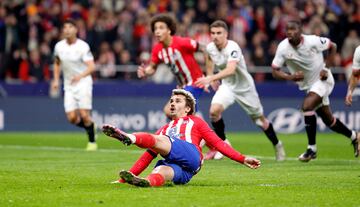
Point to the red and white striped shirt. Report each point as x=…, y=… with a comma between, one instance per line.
x=193, y=129
x=179, y=56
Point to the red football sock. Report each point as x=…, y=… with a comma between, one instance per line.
x=156, y=179
x=144, y=140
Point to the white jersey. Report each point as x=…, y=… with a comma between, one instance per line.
x=72, y=60
x=239, y=82
x=306, y=57
x=356, y=59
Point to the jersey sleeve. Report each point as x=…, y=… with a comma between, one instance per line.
x=56, y=52
x=188, y=44
x=279, y=58
x=87, y=55
x=154, y=55
x=356, y=59
x=211, y=138
x=321, y=43
x=234, y=52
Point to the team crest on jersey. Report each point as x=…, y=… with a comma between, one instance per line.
x=322, y=40
x=234, y=54
x=172, y=133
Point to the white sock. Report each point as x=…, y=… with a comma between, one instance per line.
x=312, y=147
x=353, y=136
x=132, y=138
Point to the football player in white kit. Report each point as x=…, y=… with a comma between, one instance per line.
x=355, y=75
x=237, y=85
x=73, y=57
x=303, y=56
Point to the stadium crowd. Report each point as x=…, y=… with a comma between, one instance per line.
x=118, y=31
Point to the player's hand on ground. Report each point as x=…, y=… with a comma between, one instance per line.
x=348, y=99
x=252, y=162
x=297, y=76
x=141, y=71
x=323, y=75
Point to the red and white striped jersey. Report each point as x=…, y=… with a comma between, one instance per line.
x=179, y=56
x=193, y=129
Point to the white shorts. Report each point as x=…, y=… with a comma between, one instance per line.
x=323, y=89
x=248, y=100
x=78, y=97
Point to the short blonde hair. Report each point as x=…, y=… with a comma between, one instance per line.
x=189, y=98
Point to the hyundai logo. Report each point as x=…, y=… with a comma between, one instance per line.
x=287, y=120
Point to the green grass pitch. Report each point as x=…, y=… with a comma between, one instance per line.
x=52, y=169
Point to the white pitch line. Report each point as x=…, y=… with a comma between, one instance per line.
x=296, y=159
x=49, y=148
x=134, y=151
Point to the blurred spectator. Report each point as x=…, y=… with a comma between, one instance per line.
x=126, y=65
x=106, y=62
x=141, y=34
x=350, y=43
x=35, y=25
x=118, y=47
x=203, y=13
x=125, y=29
x=317, y=27
x=33, y=69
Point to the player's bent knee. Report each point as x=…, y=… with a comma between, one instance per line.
x=215, y=114
x=72, y=119
x=166, y=171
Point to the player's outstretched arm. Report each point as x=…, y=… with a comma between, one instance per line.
x=252, y=163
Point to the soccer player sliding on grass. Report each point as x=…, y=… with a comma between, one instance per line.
x=178, y=143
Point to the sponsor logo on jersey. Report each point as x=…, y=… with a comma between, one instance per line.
x=322, y=40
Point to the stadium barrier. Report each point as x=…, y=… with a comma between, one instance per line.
x=137, y=106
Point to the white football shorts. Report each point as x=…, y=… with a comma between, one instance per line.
x=248, y=100
x=323, y=88
x=78, y=97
